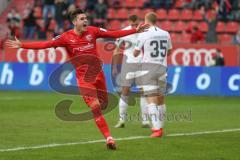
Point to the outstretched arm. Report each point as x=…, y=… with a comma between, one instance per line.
x=121, y=33
x=33, y=45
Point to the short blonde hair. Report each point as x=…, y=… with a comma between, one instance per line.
x=151, y=17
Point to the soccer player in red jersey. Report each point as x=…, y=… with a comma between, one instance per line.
x=78, y=41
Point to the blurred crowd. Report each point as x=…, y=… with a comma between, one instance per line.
x=47, y=18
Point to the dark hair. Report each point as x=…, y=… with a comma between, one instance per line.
x=76, y=12
x=195, y=28
x=133, y=18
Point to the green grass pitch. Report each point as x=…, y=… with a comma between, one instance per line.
x=28, y=119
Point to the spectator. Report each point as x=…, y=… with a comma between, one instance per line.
x=236, y=10
x=100, y=13
x=189, y=4
x=196, y=35
x=236, y=38
x=211, y=20
x=218, y=59
x=48, y=5
x=41, y=31
x=115, y=4
x=224, y=9
x=4, y=35
x=29, y=21
x=194, y=4
x=158, y=4
x=13, y=20
x=68, y=24
x=90, y=5
x=60, y=15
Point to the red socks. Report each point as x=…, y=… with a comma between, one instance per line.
x=100, y=121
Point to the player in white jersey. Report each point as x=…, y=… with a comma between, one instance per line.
x=129, y=67
x=156, y=46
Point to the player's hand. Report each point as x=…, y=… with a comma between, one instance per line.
x=13, y=43
x=142, y=27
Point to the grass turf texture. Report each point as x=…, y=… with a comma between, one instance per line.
x=28, y=119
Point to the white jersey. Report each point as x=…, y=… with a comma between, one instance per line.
x=155, y=44
x=130, y=42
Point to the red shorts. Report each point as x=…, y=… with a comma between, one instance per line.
x=93, y=89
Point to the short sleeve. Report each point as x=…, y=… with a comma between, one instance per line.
x=140, y=43
x=169, y=42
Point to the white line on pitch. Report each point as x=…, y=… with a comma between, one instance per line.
x=117, y=139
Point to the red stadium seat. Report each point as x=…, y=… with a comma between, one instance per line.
x=111, y=13
x=122, y=14
x=174, y=37
x=139, y=3
x=133, y=3
x=166, y=25
x=135, y=11
x=173, y=14
x=203, y=26
x=179, y=4
x=161, y=14
x=191, y=24
x=220, y=27
x=114, y=25
x=145, y=11
x=179, y=26
x=197, y=16
x=186, y=15
x=232, y=27
x=185, y=38
x=52, y=25
x=225, y=38
x=130, y=3
x=124, y=23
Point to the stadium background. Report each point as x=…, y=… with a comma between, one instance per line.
x=191, y=72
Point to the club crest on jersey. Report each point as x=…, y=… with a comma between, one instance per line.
x=89, y=37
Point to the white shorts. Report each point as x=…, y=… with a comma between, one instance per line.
x=129, y=74
x=155, y=81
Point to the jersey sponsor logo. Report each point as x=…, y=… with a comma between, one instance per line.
x=84, y=48
x=89, y=37
x=197, y=56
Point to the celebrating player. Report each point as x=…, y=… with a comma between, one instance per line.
x=78, y=41
x=129, y=67
x=156, y=44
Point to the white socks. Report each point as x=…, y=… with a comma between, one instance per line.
x=144, y=110
x=123, y=105
x=156, y=114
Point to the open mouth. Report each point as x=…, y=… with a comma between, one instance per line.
x=84, y=25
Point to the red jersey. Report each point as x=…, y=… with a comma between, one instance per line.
x=79, y=44
x=83, y=44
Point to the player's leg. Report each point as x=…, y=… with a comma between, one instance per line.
x=155, y=112
x=155, y=100
x=144, y=110
x=123, y=105
x=125, y=90
x=102, y=97
x=91, y=97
